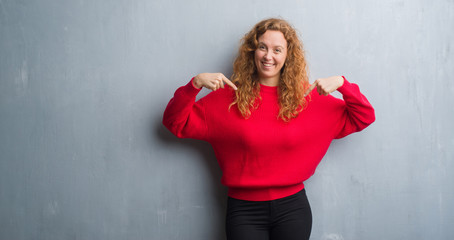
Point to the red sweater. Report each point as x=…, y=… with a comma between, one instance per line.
x=263, y=158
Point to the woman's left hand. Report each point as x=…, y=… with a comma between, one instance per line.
x=326, y=86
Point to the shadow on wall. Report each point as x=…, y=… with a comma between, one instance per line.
x=217, y=190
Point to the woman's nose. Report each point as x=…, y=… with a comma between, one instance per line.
x=267, y=55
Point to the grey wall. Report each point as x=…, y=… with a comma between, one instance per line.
x=83, y=85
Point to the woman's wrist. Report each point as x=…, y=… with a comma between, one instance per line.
x=341, y=80
x=195, y=82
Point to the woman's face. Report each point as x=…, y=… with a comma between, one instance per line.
x=270, y=55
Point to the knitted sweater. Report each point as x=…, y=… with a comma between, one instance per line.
x=264, y=158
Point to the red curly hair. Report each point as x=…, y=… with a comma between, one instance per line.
x=293, y=80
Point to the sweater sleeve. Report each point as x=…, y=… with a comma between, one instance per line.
x=358, y=113
x=185, y=117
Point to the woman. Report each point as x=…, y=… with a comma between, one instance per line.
x=269, y=129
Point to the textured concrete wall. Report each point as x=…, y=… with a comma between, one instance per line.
x=83, y=85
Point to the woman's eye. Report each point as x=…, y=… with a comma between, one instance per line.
x=261, y=47
x=278, y=50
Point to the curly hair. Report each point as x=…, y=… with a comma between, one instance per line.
x=293, y=80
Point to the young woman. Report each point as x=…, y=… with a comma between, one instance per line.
x=269, y=129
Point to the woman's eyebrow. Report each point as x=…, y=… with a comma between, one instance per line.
x=272, y=46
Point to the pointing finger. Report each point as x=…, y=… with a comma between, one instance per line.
x=228, y=82
x=309, y=90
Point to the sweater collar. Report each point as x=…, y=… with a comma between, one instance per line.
x=268, y=89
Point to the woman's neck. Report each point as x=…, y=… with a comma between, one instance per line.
x=272, y=82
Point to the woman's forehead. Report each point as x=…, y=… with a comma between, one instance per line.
x=273, y=38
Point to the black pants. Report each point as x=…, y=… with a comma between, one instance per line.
x=287, y=218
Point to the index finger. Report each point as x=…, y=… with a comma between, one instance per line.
x=309, y=90
x=228, y=82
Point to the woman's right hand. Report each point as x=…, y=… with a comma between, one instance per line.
x=212, y=81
